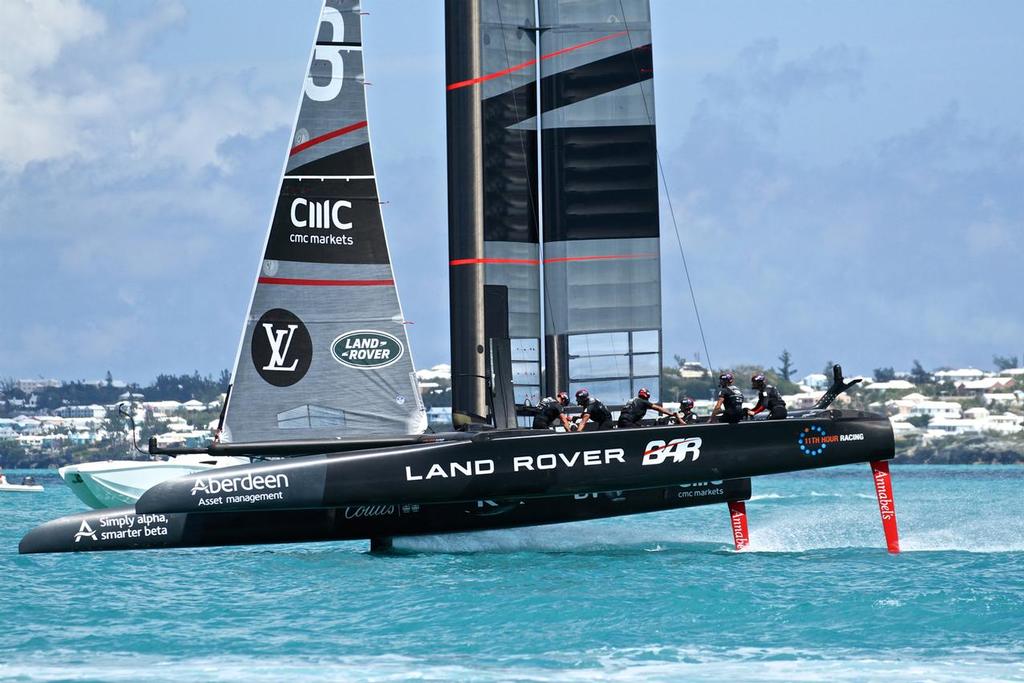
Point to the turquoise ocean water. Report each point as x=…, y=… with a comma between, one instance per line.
x=650, y=597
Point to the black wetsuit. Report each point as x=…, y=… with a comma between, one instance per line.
x=688, y=418
x=633, y=412
x=549, y=414
x=732, y=405
x=600, y=416
x=769, y=399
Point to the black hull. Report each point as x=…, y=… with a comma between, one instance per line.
x=124, y=529
x=519, y=465
x=495, y=480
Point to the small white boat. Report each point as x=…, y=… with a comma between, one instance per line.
x=27, y=485
x=112, y=483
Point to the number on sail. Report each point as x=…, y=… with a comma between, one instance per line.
x=332, y=55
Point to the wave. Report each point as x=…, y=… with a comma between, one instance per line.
x=615, y=664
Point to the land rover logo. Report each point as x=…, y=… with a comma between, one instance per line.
x=366, y=349
x=281, y=348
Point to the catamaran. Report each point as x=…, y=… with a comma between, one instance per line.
x=553, y=240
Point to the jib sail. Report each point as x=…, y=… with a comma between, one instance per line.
x=600, y=217
x=324, y=350
x=492, y=194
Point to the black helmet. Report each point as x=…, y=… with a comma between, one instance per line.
x=686, y=403
x=563, y=398
x=725, y=379
x=582, y=397
x=757, y=381
x=644, y=393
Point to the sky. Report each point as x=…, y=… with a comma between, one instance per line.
x=847, y=178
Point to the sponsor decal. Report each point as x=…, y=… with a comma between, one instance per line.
x=367, y=350
x=549, y=461
x=247, y=488
x=658, y=451
x=85, y=531
x=363, y=511
x=520, y=463
x=324, y=215
x=700, y=489
x=281, y=348
x=886, y=505
x=328, y=221
x=738, y=519
x=468, y=468
x=124, y=527
x=814, y=440
x=614, y=496
x=491, y=508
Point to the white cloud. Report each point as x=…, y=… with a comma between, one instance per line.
x=72, y=90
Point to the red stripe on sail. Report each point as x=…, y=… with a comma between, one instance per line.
x=607, y=257
x=292, y=281
x=518, y=67
x=325, y=137
x=511, y=261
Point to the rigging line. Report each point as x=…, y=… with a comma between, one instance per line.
x=668, y=197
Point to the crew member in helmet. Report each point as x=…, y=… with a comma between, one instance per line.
x=636, y=408
x=730, y=400
x=686, y=416
x=551, y=412
x=768, y=398
x=595, y=414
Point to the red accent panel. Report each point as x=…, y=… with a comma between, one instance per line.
x=886, y=503
x=323, y=283
x=325, y=137
x=531, y=62
x=475, y=261
x=608, y=257
x=738, y=518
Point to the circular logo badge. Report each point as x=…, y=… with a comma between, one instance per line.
x=811, y=440
x=281, y=348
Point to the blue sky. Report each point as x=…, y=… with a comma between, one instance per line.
x=848, y=177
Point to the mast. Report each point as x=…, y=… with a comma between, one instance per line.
x=493, y=237
x=465, y=213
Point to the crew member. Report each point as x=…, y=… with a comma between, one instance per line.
x=686, y=416
x=636, y=408
x=768, y=398
x=595, y=414
x=730, y=400
x=551, y=412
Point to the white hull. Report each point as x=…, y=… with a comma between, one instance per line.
x=113, y=483
x=21, y=488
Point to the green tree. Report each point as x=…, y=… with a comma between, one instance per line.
x=918, y=375
x=920, y=421
x=109, y=380
x=885, y=374
x=1005, y=362
x=674, y=387
x=828, y=369
x=786, y=369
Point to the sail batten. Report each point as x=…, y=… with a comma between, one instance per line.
x=324, y=352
